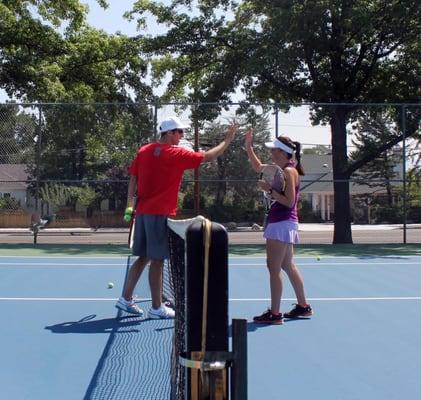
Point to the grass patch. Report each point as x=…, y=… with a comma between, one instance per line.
x=356, y=250
x=106, y=250
x=110, y=250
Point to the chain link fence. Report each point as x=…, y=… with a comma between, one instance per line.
x=68, y=162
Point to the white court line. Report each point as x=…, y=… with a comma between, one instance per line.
x=263, y=257
x=52, y=264
x=57, y=299
x=231, y=299
x=72, y=257
x=338, y=299
x=317, y=263
x=366, y=258
x=345, y=263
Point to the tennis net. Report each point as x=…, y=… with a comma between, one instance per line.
x=186, y=238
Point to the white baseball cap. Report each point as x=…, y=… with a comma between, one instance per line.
x=277, y=144
x=170, y=124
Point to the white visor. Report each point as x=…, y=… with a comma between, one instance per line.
x=277, y=144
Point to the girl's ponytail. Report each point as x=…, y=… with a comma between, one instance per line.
x=298, y=167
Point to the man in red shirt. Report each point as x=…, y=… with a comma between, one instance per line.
x=156, y=173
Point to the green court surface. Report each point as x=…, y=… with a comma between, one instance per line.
x=356, y=250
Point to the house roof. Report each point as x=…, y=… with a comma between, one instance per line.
x=319, y=176
x=13, y=177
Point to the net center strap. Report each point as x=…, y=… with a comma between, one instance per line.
x=179, y=226
x=207, y=232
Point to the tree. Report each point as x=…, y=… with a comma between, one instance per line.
x=372, y=130
x=228, y=186
x=50, y=54
x=40, y=62
x=339, y=52
x=233, y=165
x=29, y=42
x=17, y=132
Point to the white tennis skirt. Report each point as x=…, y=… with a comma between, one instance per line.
x=284, y=231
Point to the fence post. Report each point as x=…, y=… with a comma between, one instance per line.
x=196, y=188
x=276, y=119
x=38, y=157
x=404, y=169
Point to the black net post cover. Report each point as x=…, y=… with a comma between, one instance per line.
x=183, y=283
x=217, y=302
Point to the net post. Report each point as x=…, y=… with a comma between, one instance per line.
x=215, y=329
x=239, y=365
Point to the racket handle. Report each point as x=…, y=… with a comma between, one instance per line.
x=128, y=213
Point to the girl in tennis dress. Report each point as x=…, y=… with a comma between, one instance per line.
x=281, y=231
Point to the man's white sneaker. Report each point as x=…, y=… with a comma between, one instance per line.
x=129, y=306
x=162, y=312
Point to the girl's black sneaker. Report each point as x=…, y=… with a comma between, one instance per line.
x=269, y=318
x=299, y=311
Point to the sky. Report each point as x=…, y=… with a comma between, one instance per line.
x=295, y=124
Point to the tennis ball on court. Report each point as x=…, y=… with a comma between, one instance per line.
x=110, y=285
x=318, y=258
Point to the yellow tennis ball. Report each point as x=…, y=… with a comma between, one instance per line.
x=318, y=258
x=128, y=214
x=110, y=285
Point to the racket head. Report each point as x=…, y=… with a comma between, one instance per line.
x=274, y=175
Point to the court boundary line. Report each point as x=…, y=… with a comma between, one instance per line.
x=233, y=262
x=231, y=257
x=257, y=299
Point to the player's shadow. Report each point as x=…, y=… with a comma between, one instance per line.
x=88, y=325
x=253, y=326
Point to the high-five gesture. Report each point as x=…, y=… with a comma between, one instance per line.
x=213, y=153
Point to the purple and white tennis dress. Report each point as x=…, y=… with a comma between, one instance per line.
x=282, y=222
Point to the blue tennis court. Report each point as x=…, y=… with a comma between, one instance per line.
x=63, y=338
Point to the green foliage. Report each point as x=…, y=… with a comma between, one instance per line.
x=316, y=51
x=57, y=195
x=306, y=213
x=388, y=214
x=84, y=195
x=232, y=213
x=373, y=128
x=188, y=200
x=292, y=51
x=271, y=51
x=414, y=214
x=9, y=203
x=17, y=132
x=54, y=194
x=232, y=166
x=41, y=63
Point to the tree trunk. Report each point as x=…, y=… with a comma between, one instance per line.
x=342, y=222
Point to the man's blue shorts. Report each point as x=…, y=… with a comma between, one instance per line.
x=151, y=237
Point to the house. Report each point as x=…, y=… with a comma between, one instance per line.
x=13, y=182
x=317, y=184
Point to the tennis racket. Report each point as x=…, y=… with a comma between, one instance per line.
x=132, y=225
x=274, y=175
x=131, y=230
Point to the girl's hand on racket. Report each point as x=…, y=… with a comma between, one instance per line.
x=264, y=185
